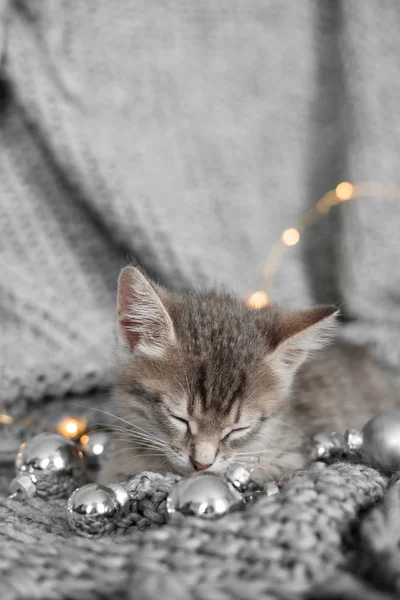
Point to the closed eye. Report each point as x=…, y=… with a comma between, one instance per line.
x=180, y=420
x=238, y=431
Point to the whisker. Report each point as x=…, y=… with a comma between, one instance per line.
x=160, y=453
x=128, y=459
x=117, y=417
x=134, y=438
x=273, y=451
x=138, y=439
x=119, y=428
x=144, y=444
x=288, y=425
x=139, y=436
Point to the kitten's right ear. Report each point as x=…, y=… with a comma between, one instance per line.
x=144, y=324
x=293, y=336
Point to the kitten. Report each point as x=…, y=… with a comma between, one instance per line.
x=202, y=380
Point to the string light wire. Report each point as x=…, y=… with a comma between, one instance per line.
x=344, y=192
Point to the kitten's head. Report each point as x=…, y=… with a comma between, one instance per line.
x=203, y=378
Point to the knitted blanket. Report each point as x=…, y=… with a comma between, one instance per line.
x=332, y=533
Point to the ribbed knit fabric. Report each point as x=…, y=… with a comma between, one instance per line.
x=283, y=547
x=186, y=136
x=333, y=533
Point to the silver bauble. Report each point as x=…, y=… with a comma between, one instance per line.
x=271, y=488
x=94, y=509
x=239, y=476
x=204, y=495
x=381, y=441
x=52, y=462
x=353, y=439
x=323, y=444
x=122, y=497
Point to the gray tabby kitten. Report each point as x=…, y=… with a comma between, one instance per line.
x=202, y=380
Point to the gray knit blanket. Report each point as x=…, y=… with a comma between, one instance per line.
x=332, y=533
x=186, y=136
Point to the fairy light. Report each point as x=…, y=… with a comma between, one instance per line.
x=291, y=236
x=343, y=192
x=97, y=448
x=72, y=427
x=258, y=299
x=6, y=419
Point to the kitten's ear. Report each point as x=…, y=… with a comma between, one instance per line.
x=144, y=324
x=294, y=336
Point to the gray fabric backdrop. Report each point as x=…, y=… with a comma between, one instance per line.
x=187, y=136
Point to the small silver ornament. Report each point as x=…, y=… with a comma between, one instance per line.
x=95, y=509
x=239, y=476
x=204, y=495
x=271, y=488
x=353, y=439
x=378, y=443
x=211, y=496
x=47, y=465
x=324, y=444
x=381, y=441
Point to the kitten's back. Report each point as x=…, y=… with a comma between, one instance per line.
x=342, y=387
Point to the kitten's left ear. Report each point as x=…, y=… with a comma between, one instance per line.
x=294, y=336
x=144, y=325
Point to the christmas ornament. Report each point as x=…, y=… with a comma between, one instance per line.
x=207, y=496
x=211, y=496
x=323, y=445
x=94, y=509
x=378, y=443
x=47, y=466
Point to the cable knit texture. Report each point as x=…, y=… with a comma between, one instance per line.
x=186, y=136
x=285, y=546
x=332, y=533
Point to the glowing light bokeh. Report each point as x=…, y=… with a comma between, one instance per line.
x=258, y=299
x=72, y=427
x=344, y=191
x=291, y=236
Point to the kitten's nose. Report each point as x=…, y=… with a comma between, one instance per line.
x=199, y=466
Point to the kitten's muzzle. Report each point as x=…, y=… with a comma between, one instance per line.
x=198, y=466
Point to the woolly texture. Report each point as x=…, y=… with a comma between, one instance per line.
x=333, y=530
x=187, y=136
x=281, y=547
